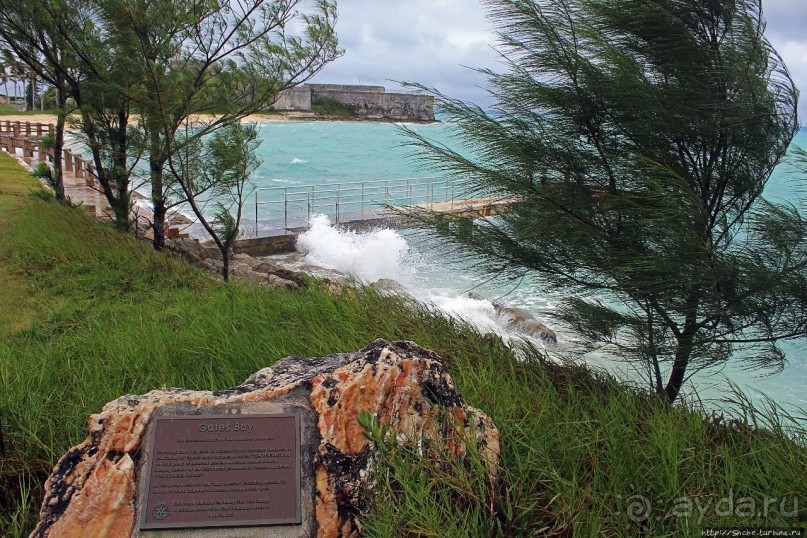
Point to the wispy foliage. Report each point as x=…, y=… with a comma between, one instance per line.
x=634, y=140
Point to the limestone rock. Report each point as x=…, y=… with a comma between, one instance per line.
x=245, y=259
x=281, y=283
x=286, y=274
x=524, y=322
x=212, y=265
x=392, y=288
x=520, y=320
x=192, y=250
x=176, y=217
x=92, y=490
x=241, y=270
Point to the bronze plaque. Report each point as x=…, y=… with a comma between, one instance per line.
x=223, y=471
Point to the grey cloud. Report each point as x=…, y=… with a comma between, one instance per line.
x=786, y=18
x=429, y=41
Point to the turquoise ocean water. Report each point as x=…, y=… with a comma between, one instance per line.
x=302, y=153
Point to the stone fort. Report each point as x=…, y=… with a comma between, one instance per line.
x=367, y=102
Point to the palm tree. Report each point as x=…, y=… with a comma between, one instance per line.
x=4, y=81
x=18, y=71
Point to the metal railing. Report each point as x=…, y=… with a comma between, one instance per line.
x=355, y=200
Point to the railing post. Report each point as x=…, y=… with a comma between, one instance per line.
x=27, y=153
x=362, y=200
x=256, y=212
x=337, y=203
x=285, y=207
x=27, y=128
x=68, y=161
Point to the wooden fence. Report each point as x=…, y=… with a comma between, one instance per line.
x=28, y=137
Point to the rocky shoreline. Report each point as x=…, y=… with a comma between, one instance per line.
x=290, y=272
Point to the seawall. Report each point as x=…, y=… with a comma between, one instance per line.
x=387, y=106
x=366, y=102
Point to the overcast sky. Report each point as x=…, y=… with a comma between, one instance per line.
x=429, y=41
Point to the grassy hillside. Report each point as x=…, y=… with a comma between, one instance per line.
x=88, y=314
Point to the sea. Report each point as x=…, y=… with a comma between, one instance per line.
x=296, y=155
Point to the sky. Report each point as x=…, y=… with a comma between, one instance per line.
x=430, y=42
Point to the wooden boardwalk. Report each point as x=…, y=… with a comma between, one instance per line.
x=472, y=207
x=23, y=140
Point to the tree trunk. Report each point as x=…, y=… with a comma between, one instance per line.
x=225, y=269
x=683, y=353
x=159, y=226
x=58, y=144
x=158, y=204
x=156, y=168
x=123, y=210
x=114, y=180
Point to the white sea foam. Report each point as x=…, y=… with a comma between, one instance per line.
x=478, y=312
x=297, y=160
x=368, y=257
x=386, y=254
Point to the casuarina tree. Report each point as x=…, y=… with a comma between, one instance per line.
x=633, y=140
x=190, y=59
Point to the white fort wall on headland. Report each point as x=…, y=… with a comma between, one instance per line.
x=371, y=102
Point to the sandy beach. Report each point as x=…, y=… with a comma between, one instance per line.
x=51, y=118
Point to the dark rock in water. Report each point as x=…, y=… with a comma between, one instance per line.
x=521, y=321
x=524, y=322
x=94, y=488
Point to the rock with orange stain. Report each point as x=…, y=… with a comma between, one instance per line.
x=93, y=490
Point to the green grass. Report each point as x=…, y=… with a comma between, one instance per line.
x=8, y=110
x=328, y=106
x=96, y=314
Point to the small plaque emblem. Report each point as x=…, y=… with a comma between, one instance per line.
x=161, y=511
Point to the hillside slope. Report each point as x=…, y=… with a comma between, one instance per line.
x=88, y=314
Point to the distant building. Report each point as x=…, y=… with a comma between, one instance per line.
x=369, y=102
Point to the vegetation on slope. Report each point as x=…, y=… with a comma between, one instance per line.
x=89, y=314
x=328, y=106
